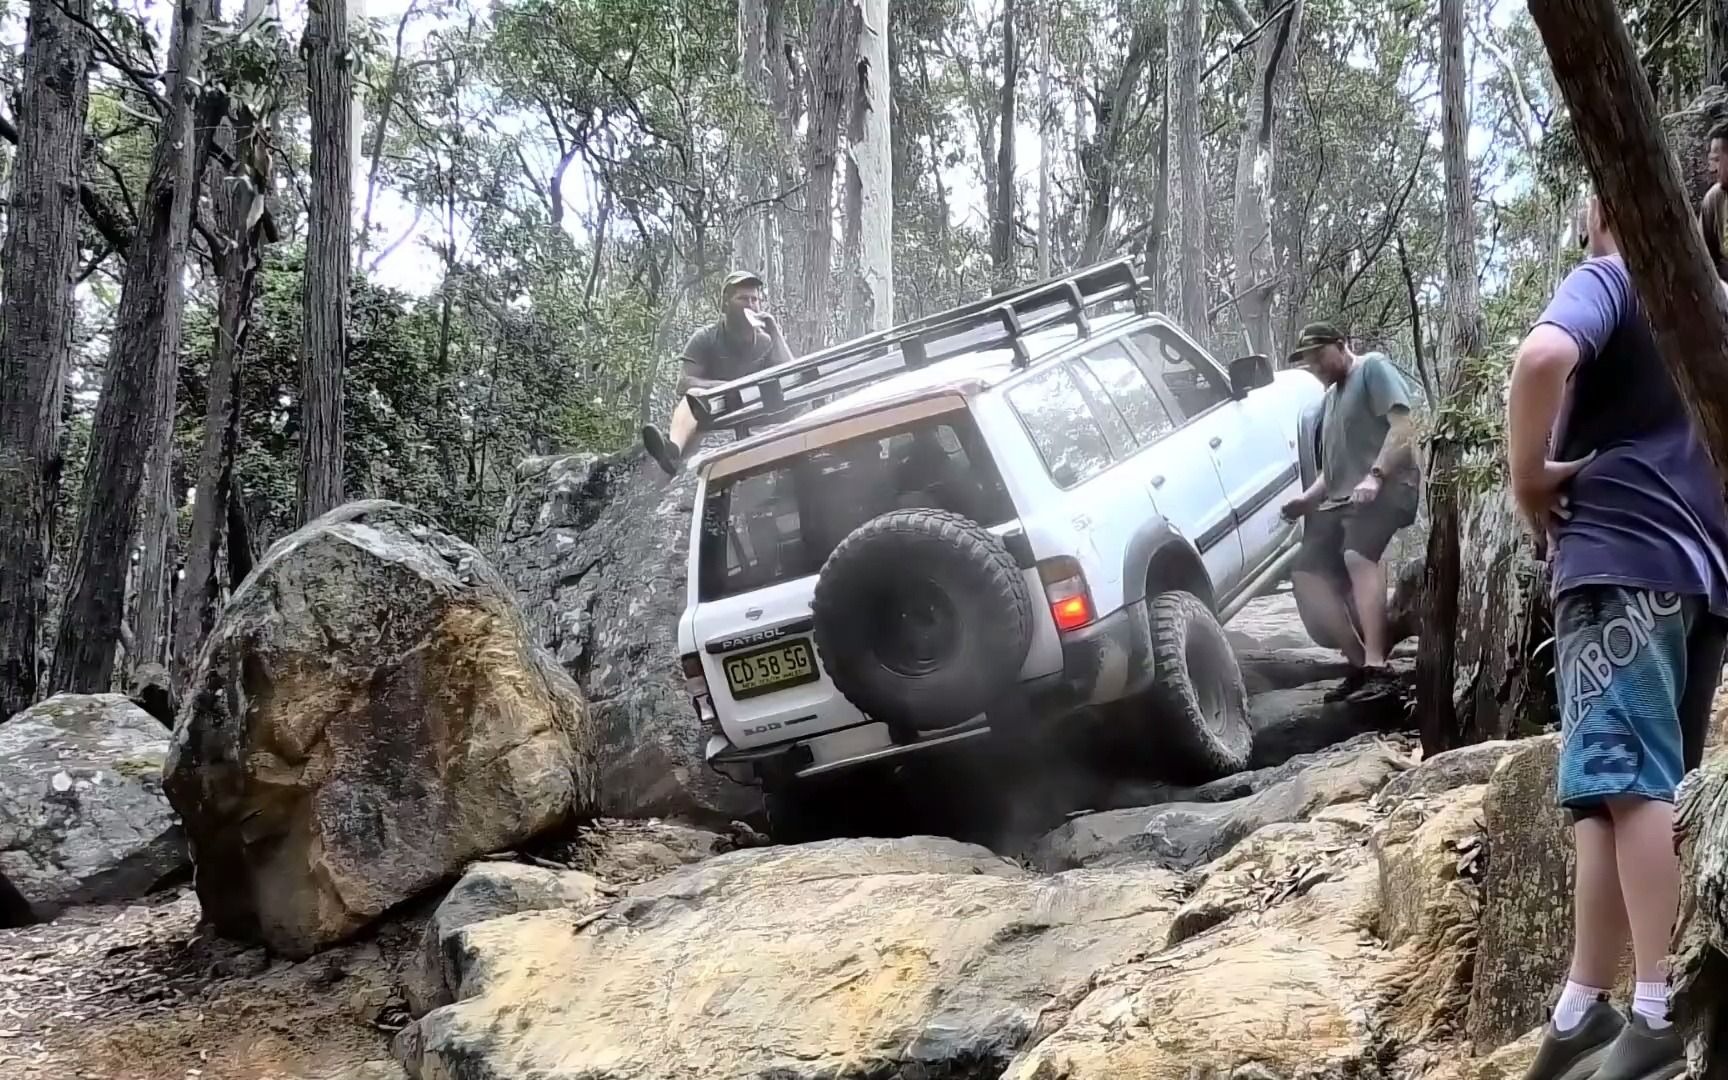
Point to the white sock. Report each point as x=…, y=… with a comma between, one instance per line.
x=1575, y=1000
x=1650, y=1000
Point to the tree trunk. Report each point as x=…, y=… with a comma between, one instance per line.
x=1098, y=158
x=1636, y=175
x=870, y=177
x=1185, y=48
x=238, y=200
x=752, y=241
x=1715, y=42
x=1436, y=665
x=832, y=30
x=1154, y=268
x=1002, y=213
x=37, y=314
x=785, y=97
x=156, y=534
x=1044, y=145
x=330, y=84
x=146, y=337
x=1256, y=265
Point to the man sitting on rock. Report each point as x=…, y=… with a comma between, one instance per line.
x=745, y=338
x=1621, y=495
x=1367, y=489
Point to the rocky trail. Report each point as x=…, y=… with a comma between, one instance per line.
x=446, y=825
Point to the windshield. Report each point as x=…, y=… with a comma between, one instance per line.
x=782, y=521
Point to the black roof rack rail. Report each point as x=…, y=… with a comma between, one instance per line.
x=1015, y=313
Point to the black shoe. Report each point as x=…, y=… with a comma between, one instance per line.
x=660, y=450
x=1641, y=1052
x=1575, y=1054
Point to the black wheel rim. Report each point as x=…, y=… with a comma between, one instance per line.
x=914, y=628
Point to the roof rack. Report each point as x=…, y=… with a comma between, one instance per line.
x=1012, y=315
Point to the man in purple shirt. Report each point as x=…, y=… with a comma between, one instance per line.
x=1625, y=500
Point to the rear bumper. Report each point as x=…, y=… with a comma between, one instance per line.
x=1107, y=661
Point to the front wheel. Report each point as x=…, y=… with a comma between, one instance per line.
x=1197, y=690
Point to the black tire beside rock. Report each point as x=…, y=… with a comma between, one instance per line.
x=1198, y=700
x=922, y=619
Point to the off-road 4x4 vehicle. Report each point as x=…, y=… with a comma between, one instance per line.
x=1011, y=512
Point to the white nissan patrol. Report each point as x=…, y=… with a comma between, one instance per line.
x=1016, y=511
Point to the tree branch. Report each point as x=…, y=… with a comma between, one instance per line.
x=101, y=215
x=144, y=80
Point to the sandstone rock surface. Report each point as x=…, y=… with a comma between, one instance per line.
x=596, y=548
x=1526, y=931
x=1184, y=835
x=491, y=890
x=846, y=959
x=82, y=815
x=368, y=715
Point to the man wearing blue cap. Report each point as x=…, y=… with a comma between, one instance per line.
x=744, y=339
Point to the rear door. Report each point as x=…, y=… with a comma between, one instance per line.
x=1191, y=498
x=1247, y=441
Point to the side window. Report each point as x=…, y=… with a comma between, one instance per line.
x=1190, y=380
x=1126, y=387
x=1062, y=426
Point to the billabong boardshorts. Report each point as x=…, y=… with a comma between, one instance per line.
x=1637, y=671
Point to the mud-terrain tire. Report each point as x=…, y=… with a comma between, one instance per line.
x=922, y=619
x=1197, y=693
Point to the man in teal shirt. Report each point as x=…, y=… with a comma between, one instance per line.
x=1367, y=489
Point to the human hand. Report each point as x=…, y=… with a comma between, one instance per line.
x=1295, y=508
x=1367, y=491
x=1541, y=499
x=769, y=324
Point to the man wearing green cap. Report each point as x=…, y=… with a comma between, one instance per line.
x=1368, y=488
x=744, y=339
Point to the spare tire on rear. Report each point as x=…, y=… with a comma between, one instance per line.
x=922, y=619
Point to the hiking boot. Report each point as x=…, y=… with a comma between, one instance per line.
x=1641, y=1052
x=661, y=450
x=1575, y=1054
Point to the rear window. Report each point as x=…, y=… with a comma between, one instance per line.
x=783, y=521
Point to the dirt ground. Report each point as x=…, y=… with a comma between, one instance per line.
x=138, y=992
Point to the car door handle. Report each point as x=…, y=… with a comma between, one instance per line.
x=1158, y=481
x=1215, y=442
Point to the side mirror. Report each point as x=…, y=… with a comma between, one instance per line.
x=1249, y=373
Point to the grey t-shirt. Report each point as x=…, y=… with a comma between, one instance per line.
x=716, y=352
x=1354, y=423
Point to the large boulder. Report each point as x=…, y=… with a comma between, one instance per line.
x=368, y=715
x=82, y=815
x=596, y=548
x=1526, y=932
x=843, y=960
x=1184, y=835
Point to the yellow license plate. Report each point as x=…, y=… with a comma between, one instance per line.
x=763, y=671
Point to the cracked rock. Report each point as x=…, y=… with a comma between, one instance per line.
x=368, y=715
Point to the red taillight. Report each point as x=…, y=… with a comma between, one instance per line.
x=692, y=664
x=1065, y=588
x=1072, y=613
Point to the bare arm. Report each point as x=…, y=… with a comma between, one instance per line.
x=1539, y=372
x=1398, y=448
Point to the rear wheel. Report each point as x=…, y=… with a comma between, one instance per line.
x=922, y=619
x=1197, y=693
